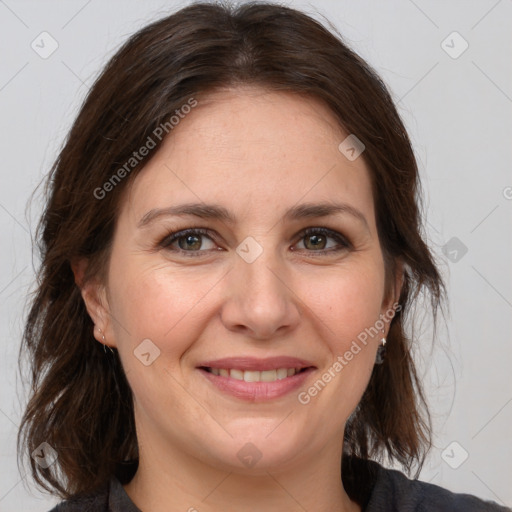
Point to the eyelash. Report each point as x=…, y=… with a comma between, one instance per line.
x=176, y=235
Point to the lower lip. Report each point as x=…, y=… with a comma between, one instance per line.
x=257, y=391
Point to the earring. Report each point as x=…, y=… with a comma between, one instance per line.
x=381, y=351
x=104, y=342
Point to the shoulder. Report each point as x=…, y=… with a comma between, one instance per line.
x=111, y=497
x=394, y=491
x=93, y=502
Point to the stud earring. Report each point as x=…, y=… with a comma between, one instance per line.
x=102, y=335
x=104, y=342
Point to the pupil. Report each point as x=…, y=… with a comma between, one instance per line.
x=317, y=240
x=193, y=240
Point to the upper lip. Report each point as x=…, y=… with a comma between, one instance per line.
x=254, y=364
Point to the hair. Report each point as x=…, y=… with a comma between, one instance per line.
x=80, y=402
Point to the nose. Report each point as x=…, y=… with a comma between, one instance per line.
x=260, y=302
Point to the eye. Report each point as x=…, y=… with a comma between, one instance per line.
x=316, y=240
x=188, y=240
x=197, y=241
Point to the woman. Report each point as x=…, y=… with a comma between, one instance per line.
x=229, y=251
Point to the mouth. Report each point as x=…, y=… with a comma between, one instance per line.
x=255, y=375
x=256, y=385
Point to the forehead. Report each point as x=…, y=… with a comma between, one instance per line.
x=255, y=151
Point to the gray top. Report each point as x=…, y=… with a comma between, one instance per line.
x=375, y=488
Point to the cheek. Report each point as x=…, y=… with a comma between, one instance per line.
x=159, y=304
x=349, y=300
x=349, y=304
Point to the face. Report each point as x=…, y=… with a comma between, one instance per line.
x=261, y=283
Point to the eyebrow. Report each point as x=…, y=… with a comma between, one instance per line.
x=217, y=212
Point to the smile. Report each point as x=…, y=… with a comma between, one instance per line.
x=256, y=386
x=255, y=376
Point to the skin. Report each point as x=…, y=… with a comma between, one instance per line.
x=256, y=153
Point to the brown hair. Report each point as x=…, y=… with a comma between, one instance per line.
x=81, y=403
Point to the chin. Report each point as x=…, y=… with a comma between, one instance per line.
x=256, y=452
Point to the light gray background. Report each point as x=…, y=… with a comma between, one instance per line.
x=458, y=113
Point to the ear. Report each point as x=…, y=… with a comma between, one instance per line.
x=95, y=298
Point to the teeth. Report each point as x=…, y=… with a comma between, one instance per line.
x=268, y=375
x=282, y=373
x=252, y=376
x=236, y=374
x=256, y=376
